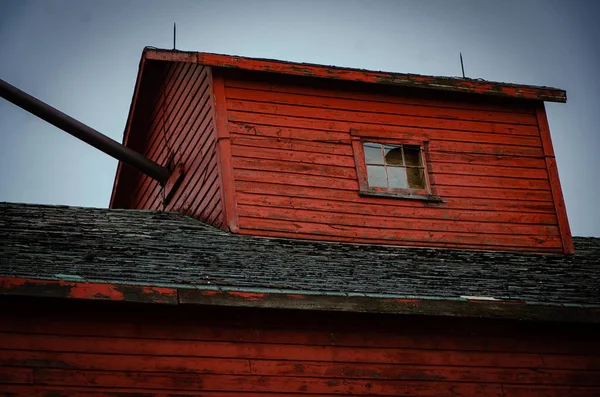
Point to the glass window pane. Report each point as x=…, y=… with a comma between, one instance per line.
x=416, y=178
x=412, y=155
x=397, y=177
x=393, y=155
x=373, y=153
x=376, y=176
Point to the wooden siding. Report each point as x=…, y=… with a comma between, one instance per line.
x=179, y=128
x=95, y=349
x=295, y=174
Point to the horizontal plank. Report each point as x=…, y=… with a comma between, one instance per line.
x=314, y=147
x=263, y=94
x=302, y=134
x=294, y=167
x=340, y=196
x=338, y=218
x=308, y=369
x=378, y=119
x=391, y=211
x=292, y=328
x=549, y=391
x=444, y=191
x=99, y=391
x=261, y=159
x=397, y=236
x=15, y=375
x=382, y=132
x=495, y=160
x=418, y=244
x=183, y=348
x=254, y=121
x=182, y=381
x=325, y=91
x=489, y=181
x=274, y=152
x=487, y=170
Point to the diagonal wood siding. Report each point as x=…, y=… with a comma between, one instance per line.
x=295, y=173
x=179, y=128
x=90, y=349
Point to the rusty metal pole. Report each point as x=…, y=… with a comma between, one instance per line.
x=83, y=132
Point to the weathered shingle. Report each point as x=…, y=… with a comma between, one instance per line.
x=161, y=249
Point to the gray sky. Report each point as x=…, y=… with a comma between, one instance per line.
x=82, y=56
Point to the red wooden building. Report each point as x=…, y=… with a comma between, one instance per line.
x=324, y=231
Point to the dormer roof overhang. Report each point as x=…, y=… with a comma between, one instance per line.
x=441, y=83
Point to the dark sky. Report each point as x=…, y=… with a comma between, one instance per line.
x=82, y=56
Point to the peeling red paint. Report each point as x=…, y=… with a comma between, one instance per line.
x=251, y=296
x=365, y=76
x=296, y=296
x=412, y=301
x=210, y=293
x=94, y=291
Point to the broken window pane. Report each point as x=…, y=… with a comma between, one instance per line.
x=412, y=156
x=376, y=176
x=373, y=153
x=416, y=178
x=397, y=177
x=393, y=155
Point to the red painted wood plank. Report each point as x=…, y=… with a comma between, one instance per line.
x=340, y=218
x=343, y=125
x=545, y=391
x=314, y=89
x=435, y=145
x=338, y=197
x=278, y=150
x=167, y=136
x=338, y=73
x=327, y=139
x=376, y=119
x=75, y=391
x=184, y=348
x=557, y=195
x=84, y=290
x=393, y=209
x=420, y=244
x=291, y=150
x=424, y=109
x=249, y=163
x=15, y=375
x=491, y=181
x=444, y=191
x=224, y=156
x=230, y=383
x=397, y=236
x=309, y=369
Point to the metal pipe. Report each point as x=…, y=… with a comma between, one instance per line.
x=83, y=132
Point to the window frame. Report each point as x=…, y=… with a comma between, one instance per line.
x=359, y=138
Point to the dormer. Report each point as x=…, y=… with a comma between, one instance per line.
x=277, y=149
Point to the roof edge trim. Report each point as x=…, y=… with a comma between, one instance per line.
x=297, y=300
x=455, y=84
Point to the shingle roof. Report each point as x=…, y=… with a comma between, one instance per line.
x=196, y=263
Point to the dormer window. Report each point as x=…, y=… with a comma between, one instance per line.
x=392, y=166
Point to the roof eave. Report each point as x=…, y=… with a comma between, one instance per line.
x=297, y=300
x=453, y=84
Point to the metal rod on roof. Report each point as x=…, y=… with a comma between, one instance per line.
x=83, y=132
x=462, y=65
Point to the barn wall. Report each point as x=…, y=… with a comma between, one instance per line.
x=295, y=174
x=175, y=125
x=105, y=349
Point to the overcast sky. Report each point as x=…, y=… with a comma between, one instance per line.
x=82, y=57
